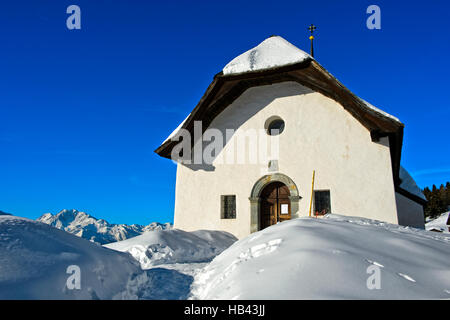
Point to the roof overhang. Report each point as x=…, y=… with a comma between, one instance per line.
x=410, y=196
x=224, y=89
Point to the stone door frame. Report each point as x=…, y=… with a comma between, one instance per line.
x=255, y=199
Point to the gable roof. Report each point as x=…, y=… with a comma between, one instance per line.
x=275, y=60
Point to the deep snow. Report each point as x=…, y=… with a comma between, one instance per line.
x=306, y=258
x=440, y=223
x=174, y=246
x=310, y=258
x=34, y=258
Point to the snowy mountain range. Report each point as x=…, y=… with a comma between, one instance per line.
x=96, y=230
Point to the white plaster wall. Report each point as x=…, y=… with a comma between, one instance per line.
x=319, y=135
x=410, y=213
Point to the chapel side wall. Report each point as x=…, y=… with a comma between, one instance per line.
x=319, y=135
x=410, y=213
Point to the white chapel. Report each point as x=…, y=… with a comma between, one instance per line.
x=334, y=152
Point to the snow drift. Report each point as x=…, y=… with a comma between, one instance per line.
x=34, y=259
x=441, y=223
x=174, y=246
x=309, y=258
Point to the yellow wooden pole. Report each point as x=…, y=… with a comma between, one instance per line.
x=312, y=192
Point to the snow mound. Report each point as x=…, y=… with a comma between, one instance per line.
x=174, y=246
x=271, y=53
x=441, y=223
x=330, y=258
x=408, y=184
x=34, y=260
x=96, y=230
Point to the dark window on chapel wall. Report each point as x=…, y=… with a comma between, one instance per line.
x=274, y=126
x=228, y=207
x=322, y=202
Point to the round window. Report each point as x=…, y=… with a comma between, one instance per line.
x=275, y=127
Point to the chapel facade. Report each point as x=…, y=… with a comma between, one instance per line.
x=285, y=139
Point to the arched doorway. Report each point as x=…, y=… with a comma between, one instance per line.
x=286, y=187
x=275, y=204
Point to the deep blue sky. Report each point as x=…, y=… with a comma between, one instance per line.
x=81, y=111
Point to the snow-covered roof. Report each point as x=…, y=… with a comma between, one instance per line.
x=277, y=60
x=273, y=52
x=384, y=113
x=409, y=184
x=174, y=132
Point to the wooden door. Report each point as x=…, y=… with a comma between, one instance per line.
x=275, y=204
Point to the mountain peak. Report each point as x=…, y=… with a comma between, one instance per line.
x=88, y=227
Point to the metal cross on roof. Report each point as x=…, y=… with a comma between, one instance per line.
x=311, y=29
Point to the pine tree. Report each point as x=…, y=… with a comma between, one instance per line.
x=426, y=192
x=447, y=195
x=437, y=200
